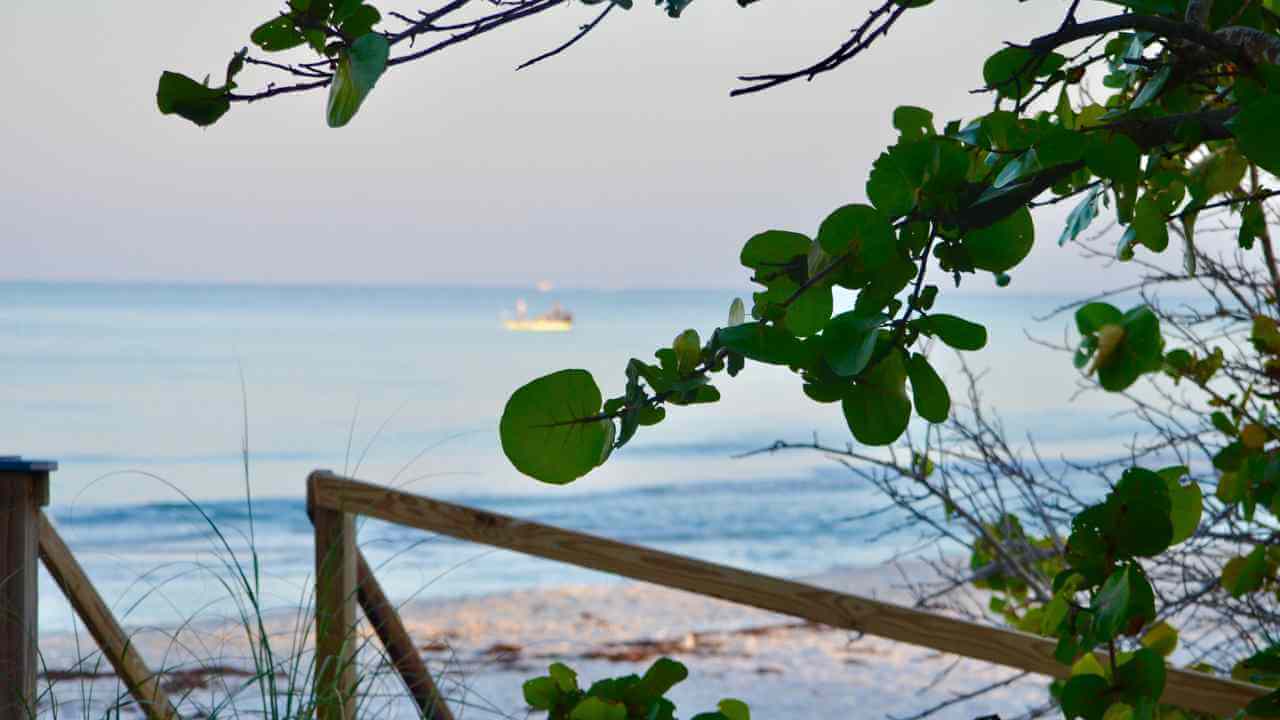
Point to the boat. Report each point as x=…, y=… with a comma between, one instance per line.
x=555, y=320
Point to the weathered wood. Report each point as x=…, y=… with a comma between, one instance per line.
x=399, y=646
x=23, y=490
x=1192, y=690
x=335, y=602
x=142, y=684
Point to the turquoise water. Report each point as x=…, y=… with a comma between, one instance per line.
x=137, y=391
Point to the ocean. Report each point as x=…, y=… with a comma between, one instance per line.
x=147, y=395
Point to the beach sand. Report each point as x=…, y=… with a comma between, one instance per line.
x=483, y=649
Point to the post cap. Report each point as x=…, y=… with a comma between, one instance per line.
x=17, y=463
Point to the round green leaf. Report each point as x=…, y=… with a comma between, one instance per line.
x=1012, y=70
x=1001, y=246
x=1255, y=129
x=861, y=230
x=1186, y=503
x=810, y=311
x=773, y=248
x=277, y=34
x=1092, y=317
x=890, y=187
x=1085, y=696
x=933, y=402
x=548, y=431
x=1139, y=352
x=849, y=340
x=1113, y=157
x=877, y=408
x=736, y=709
x=1243, y=575
x=541, y=693
x=954, y=331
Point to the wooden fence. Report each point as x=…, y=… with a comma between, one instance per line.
x=335, y=501
x=344, y=581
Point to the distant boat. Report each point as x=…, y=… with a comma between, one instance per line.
x=555, y=320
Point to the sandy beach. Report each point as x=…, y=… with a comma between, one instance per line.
x=483, y=648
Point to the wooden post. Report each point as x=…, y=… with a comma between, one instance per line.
x=386, y=622
x=335, y=600
x=24, y=489
x=142, y=684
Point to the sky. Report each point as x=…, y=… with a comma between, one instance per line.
x=622, y=163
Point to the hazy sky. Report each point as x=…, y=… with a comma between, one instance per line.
x=622, y=163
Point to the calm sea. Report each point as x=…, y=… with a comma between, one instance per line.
x=146, y=394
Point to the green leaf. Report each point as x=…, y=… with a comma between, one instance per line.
x=1059, y=146
x=1162, y=638
x=1094, y=316
x=1243, y=575
x=180, y=95
x=810, y=311
x=564, y=676
x=877, y=408
x=593, y=708
x=541, y=693
x=1082, y=216
x=774, y=248
x=737, y=313
x=278, y=33
x=1255, y=129
x=734, y=709
x=1186, y=503
x=762, y=343
x=1142, y=677
x=548, y=428
x=1114, y=157
x=663, y=675
x=688, y=349
x=1138, y=353
x=359, y=68
x=954, y=331
x=1011, y=71
x=932, y=401
x=1150, y=226
x=1140, y=512
x=890, y=187
x=849, y=340
x=860, y=230
x=1001, y=246
x=1125, y=600
x=1085, y=696
x=1151, y=90
x=913, y=122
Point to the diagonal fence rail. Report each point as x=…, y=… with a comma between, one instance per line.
x=334, y=501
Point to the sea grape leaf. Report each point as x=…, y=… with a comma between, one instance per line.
x=1085, y=696
x=1243, y=575
x=876, y=407
x=762, y=343
x=1255, y=129
x=809, y=311
x=861, y=230
x=932, y=401
x=954, y=331
x=1082, y=216
x=849, y=340
x=179, y=95
x=1001, y=246
x=550, y=430
x=773, y=248
x=359, y=68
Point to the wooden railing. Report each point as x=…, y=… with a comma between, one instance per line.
x=342, y=578
x=26, y=538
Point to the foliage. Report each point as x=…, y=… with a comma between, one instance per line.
x=631, y=697
x=1156, y=114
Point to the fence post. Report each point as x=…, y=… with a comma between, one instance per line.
x=335, y=600
x=24, y=489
